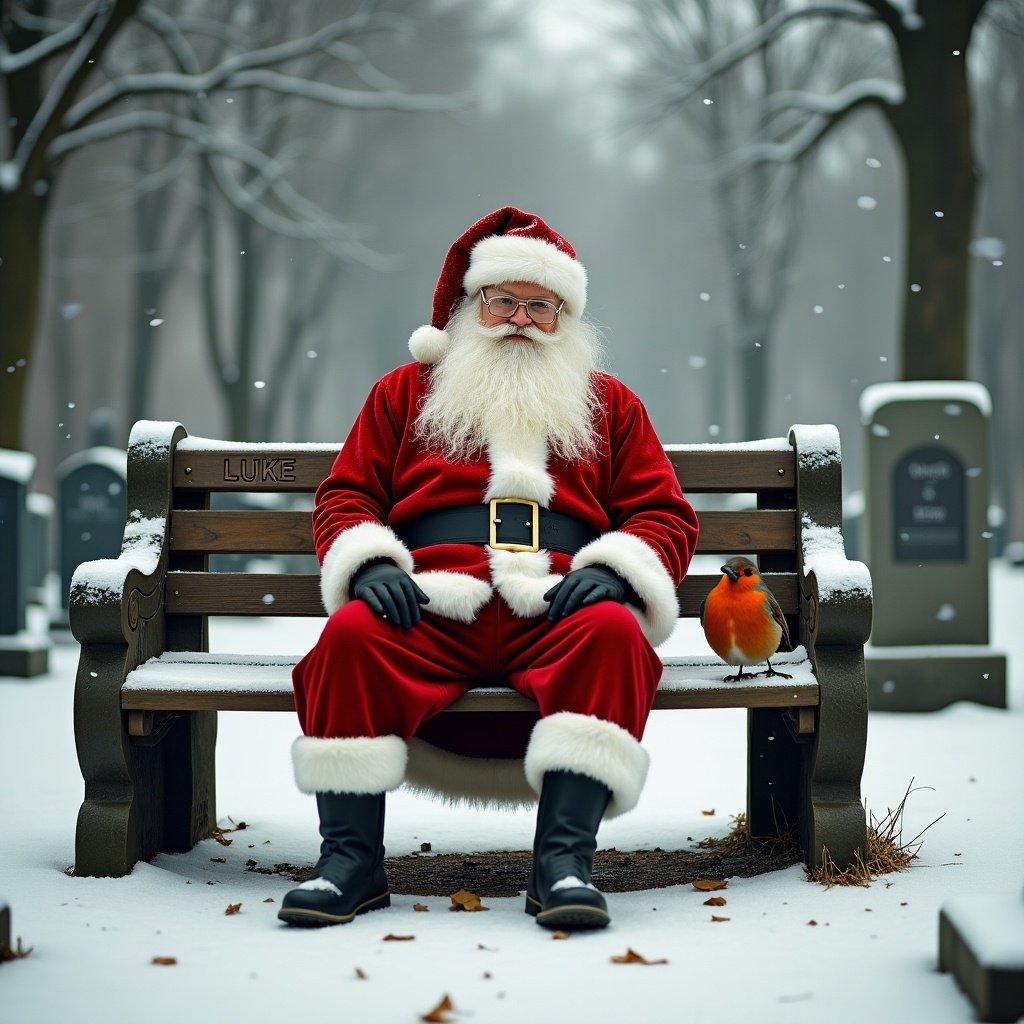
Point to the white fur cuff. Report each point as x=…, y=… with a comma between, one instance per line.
x=355, y=547
x=639, y=565
x=589, y=746
x=362, y=764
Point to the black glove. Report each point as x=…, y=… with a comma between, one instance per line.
x=390, y=592
x=583, y=586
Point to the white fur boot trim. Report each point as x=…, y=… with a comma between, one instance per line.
x=590, y=746
x=361, y=764
x=477, y=781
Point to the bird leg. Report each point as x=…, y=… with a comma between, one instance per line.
x=772, y=672
x=740, y=675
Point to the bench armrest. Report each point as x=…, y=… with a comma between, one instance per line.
x=116, y=604
x=112, y=599
x=835, y=591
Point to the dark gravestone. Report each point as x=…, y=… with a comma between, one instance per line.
x=40, y=531
x=91, y=501
x=21, y=653
x=928, y=544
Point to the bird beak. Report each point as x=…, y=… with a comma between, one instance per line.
x=730, y=572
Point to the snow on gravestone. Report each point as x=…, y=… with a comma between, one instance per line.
x=926, y=540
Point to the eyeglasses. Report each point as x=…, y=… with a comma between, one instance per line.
x=540, y=311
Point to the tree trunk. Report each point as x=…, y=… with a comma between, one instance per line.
x=22, y=223
x=933, y=127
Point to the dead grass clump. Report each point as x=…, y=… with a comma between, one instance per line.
x=734, y=842
x=886, y=851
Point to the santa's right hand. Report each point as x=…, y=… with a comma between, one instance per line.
x=390, y=592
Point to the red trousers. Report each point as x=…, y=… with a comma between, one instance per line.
x=369, y=677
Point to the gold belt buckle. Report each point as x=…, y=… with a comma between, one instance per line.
x=534, y=524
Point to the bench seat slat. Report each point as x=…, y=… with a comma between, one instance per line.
x=233, y=593
x=285, y=532
x=176, y=682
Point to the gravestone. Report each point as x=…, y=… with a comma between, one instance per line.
x=927, y=542
x=40, y=508
x=5, y=928
x=91, y=502
x=22, y=653
x=981, y=942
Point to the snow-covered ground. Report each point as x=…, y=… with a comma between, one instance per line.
x=872, y=953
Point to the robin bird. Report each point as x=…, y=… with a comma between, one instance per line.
x=742, y=620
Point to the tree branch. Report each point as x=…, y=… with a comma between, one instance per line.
x=31, y=150
x=308, y=220
x=225, y=75
x=62, y=39
x=813, y=130
x=743, y=47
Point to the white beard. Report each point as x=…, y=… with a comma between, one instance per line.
x=486, y=389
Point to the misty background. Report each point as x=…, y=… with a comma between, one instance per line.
x=162, y=300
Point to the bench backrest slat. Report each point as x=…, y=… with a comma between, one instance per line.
x=262, y=468
x=272, y=531
x=240, y=593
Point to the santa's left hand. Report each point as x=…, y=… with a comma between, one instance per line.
x=585, y=586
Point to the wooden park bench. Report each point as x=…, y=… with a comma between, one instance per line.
x=148, y=690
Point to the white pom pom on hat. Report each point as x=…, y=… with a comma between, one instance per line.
x=506, y=245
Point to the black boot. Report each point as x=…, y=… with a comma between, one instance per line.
x=560, y=893
x=349, y=877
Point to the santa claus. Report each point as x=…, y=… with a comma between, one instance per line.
x=501, y=512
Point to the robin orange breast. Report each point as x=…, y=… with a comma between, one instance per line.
x=742, y=620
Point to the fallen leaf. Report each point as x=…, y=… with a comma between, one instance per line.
x=421, y=907
x=559, y=935
x=465, y=900
x=269, y=899
x=360, y=973
x=716, y=901
x=424, y=847
x=17, y=953
x=812, y=921
x=710, y=885
x=437, y=1014
x=708, y=814
x=164, y=961
x=233, y=908
x=716, y=918
x=250, y=863
x=218, y=860
x=391, y=937
x=631, y=956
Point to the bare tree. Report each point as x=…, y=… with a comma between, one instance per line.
x=758, y=203
x=928, y=109
x=57, y=104
x=997, y=308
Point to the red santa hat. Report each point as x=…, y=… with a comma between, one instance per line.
x=506, y=245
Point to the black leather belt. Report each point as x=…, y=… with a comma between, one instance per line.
x=503, y=524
